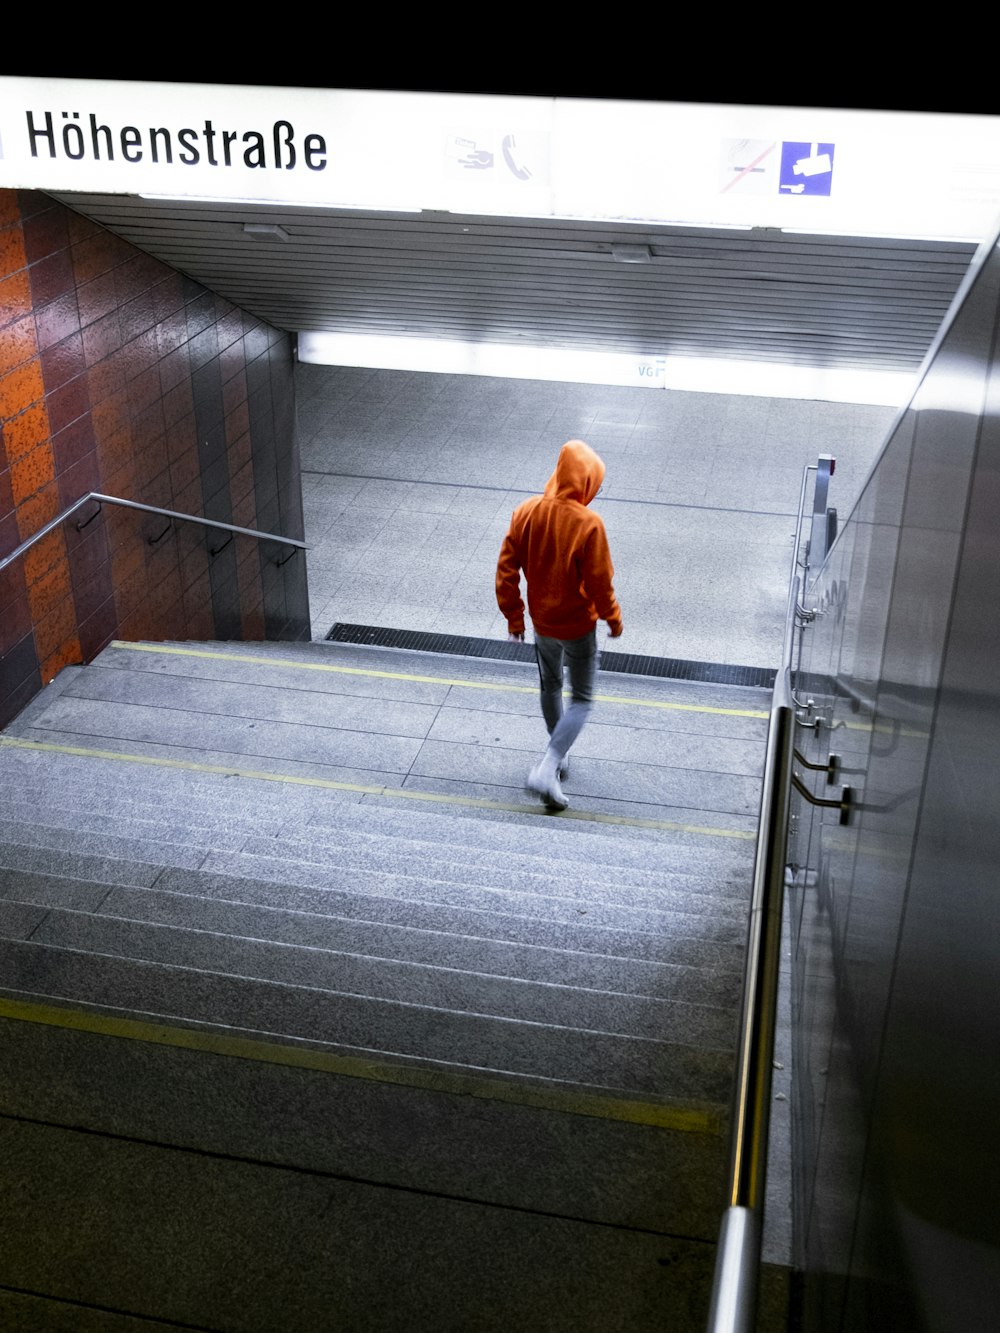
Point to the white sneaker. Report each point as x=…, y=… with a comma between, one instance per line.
x=546, y=785
x=564, y=768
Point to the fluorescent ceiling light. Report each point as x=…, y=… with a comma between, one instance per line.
x=867, y=234
x=656, y=222
x=765, y=379
x=632, y=254
x=265, y=231
x=323, y=206
x=691, y=374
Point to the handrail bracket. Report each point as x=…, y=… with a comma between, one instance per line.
x=831, y=768
x=80, y=526
x=844, y=805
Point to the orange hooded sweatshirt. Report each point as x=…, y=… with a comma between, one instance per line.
x=563, y=550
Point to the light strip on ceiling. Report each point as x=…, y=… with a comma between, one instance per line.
x=691, y=374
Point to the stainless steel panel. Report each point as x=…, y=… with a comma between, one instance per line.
x=896, y=918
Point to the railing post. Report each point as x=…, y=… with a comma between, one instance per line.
x=819, y=532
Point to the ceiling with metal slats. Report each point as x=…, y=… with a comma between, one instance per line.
x=830, y=302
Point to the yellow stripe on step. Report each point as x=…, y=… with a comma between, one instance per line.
x=400, y=793
x=424, y=680
x=686, y=1118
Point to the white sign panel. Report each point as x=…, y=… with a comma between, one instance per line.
x=813, y=169
x=281, y=145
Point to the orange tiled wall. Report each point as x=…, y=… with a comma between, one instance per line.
x=120, y=375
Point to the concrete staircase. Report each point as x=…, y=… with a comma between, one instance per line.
x=312, y=1019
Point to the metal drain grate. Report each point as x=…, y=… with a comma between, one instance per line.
x=673, y=668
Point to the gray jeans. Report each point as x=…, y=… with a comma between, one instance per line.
x=579, y=658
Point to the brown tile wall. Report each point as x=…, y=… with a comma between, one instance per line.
x=120, y=375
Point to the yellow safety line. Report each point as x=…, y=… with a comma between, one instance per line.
x=403, y=793
x=666, y=705
x=424, y=680
x=677, y=1116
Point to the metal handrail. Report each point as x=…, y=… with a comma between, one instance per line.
x=149, y=509
x=734, y=1289
x=800, y=610
x=798, y=615
x=737, y=1264
x=845, y=805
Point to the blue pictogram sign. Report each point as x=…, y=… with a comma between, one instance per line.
x=806, y=168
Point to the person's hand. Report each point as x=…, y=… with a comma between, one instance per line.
x=515, y=638
x=615, y=633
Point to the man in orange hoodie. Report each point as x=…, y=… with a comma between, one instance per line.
x=562, y=548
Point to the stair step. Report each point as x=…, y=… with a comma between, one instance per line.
x=617, y=790
x=539, y=962
x=403, y=674
x=312, y=905
x=111, y=845
x=652, y=1067
x=578, y=934
x=555, y=1001
x=723, y=923
x=18, y=859
x=576, y=879
x=52, y=890
x=508, y=1153
x=78, y=892
x=223, y=709
x=566, y=901
x=70, y=780
x=353, y=844
x=302, y=1251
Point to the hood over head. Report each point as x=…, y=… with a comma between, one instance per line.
x=578, y=475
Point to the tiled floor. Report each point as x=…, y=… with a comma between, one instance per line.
x=409, y=481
